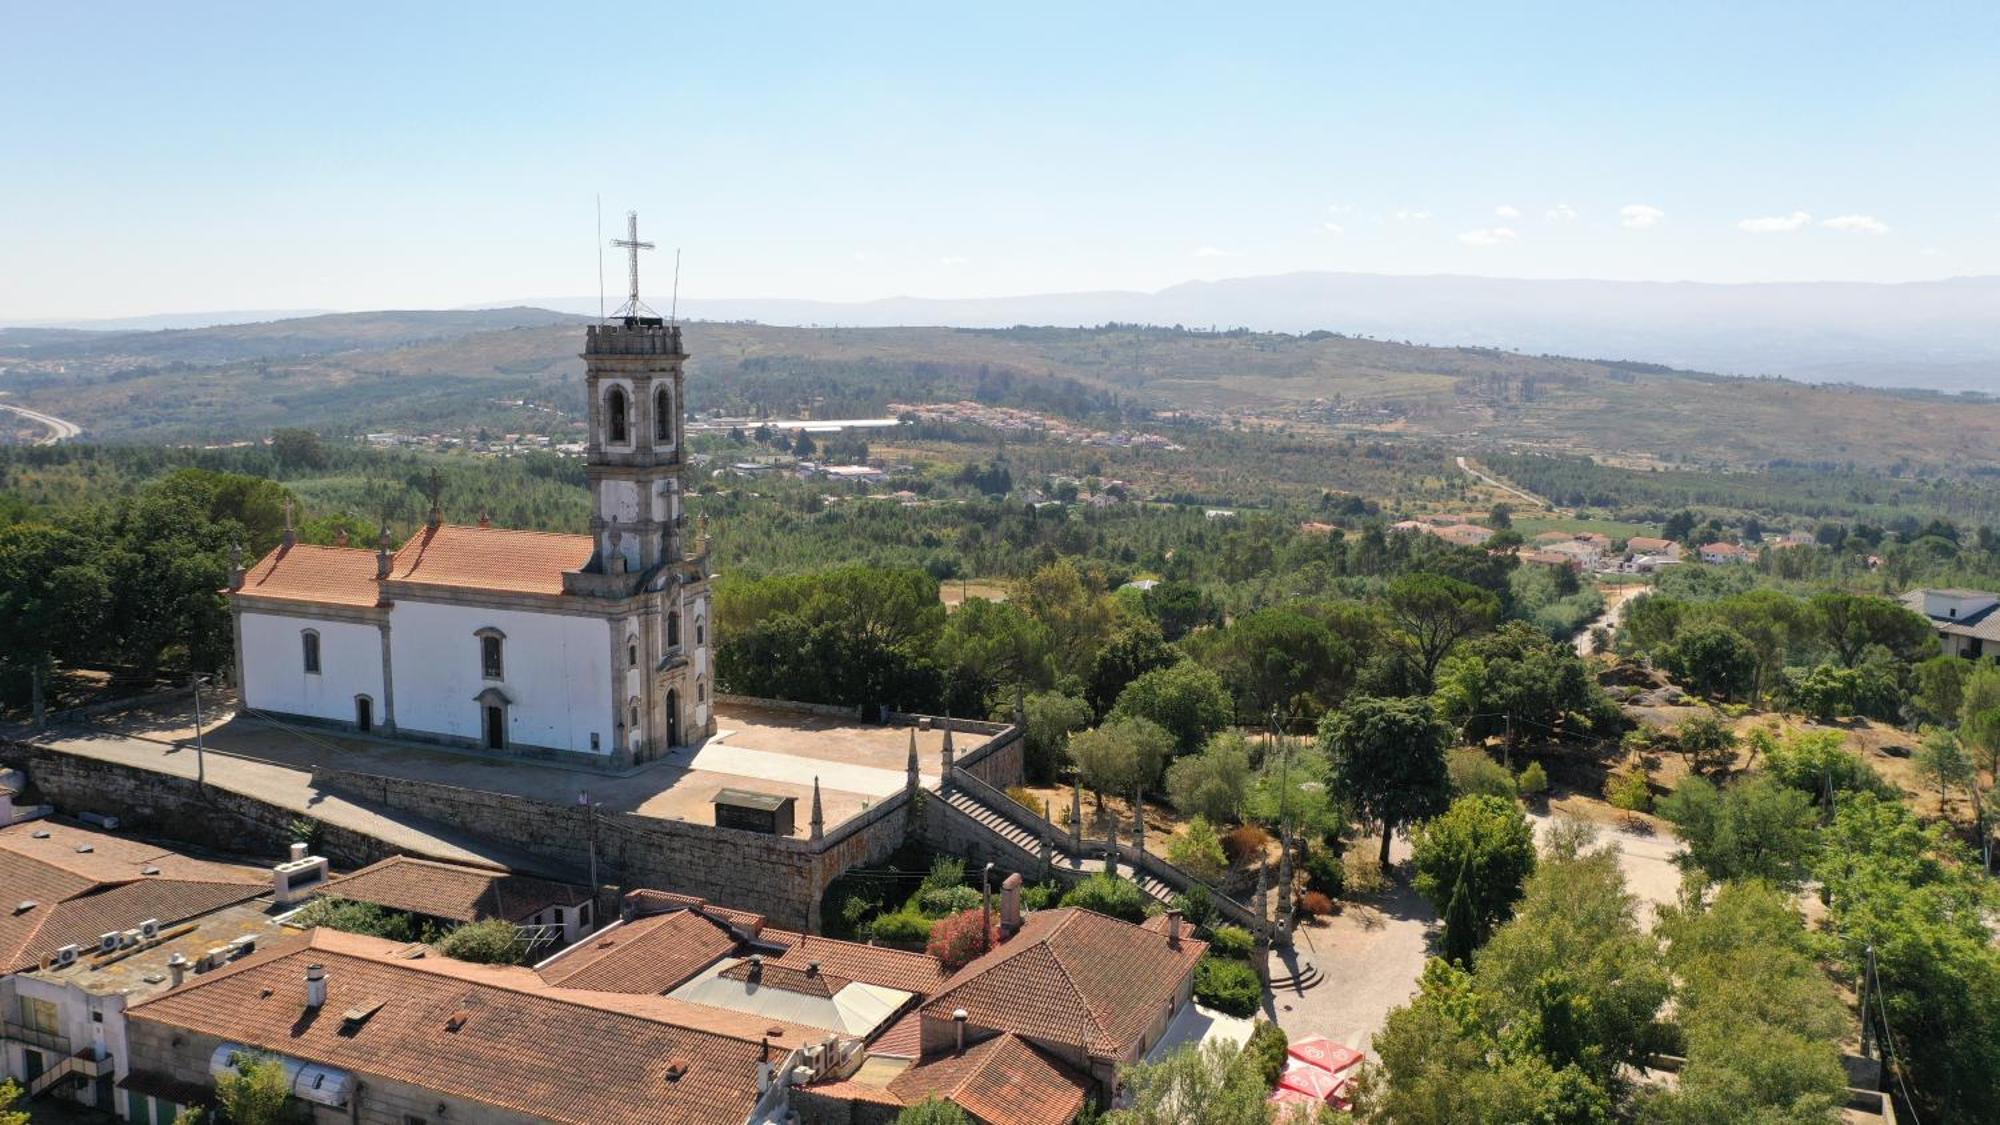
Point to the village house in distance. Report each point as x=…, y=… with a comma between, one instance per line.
x=592, y=647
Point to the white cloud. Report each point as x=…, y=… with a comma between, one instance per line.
x=1856, y=224
x=1338, y=208
x=1639, y=216
x=1334, y=229
x=1561, y=213
x=1211, y=252
x=861, y=255
x=1776, y=224
x=1492, y=236
x=951, y=260
x=1506, y=212
x=1409, y=216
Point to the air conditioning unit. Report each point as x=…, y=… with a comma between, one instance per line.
x=108, y=943
x=149, y=929
x=66, y=955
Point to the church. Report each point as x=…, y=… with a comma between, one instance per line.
x=593, y=648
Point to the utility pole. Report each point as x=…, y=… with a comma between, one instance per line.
x=1867, y=994
x=986, y=907
x=200, y=755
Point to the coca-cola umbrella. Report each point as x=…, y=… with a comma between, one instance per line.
x=1309, y=1079
x=1324, y=1053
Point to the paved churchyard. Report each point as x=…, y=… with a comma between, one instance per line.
x=764, y=750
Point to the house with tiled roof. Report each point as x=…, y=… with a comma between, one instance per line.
x=455, y=893
x=1967, y=621
x=1725, y=553
x=592, y=648
x=93, y=923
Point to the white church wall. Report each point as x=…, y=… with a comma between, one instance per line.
x=274, y=675
x=556, y=671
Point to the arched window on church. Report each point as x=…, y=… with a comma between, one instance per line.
x=492, y=664
x=700, y=632
x=309, y=644
x=615, y=410
x=632, y=652
x=635, y=716
x=663, y=415
x=701, y=691
x=674, y=629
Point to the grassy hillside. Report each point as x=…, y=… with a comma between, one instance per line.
x=354, y=372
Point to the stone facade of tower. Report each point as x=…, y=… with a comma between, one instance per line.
x=634, y=379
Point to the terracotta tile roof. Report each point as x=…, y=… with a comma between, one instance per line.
x=454, y=891
x=646, y=902
x=550, y=1054
x=1648, y=544
x=805, y=982
x=872, y=964
x=904, y=1039
x=649, y=955
x=80, y=895
x=324, y=575
x=490, y=558
x=1001, y=1081
x=1072, y=976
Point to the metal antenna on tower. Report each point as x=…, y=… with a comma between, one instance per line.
x=674, y=309
x=633, y=306
x=600, y=256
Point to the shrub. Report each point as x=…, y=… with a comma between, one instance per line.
x=1534, y=781
x=1230, y=987
x=1025, y=797
x=1107, y=894
x=1245, y=843
x=1706, y=743
x=336, y=913
x=946, y=871
x=1038, y=896
x=956, y=940
x=1232, y=941
x=936, y=902
x=1631, y=791
x=1198, y=850
x=1814, y=760
x=1363, y=874
x=255, y=1091
x=1474, y=774
x=901, y=928
x=492, y=941
x=1325, y=873
x=1196, y=906
x=1315, y=904
x=1215, y=782
x=856, y=909
x=1268, y=1045
x=933, y=1111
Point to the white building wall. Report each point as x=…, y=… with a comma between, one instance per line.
x=557, y=672
x=274, y=675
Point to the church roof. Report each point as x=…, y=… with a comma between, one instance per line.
x=491, y=558
x=305, y=573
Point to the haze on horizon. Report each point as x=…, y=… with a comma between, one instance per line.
x=376, y=156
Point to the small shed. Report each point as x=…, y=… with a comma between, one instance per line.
x=751, y=811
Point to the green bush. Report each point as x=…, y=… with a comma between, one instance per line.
x=492, y=941
x=1325, y=872
x=336, y=913
x=901, y=928
x=1631, y=791
x=938, y=902
x=946, y=871
x=1110, y=895
x=1474, y=774
x=1232, y=941
x=1230, y=987
x=1198, y=850
x=1268, y=1045
x=1534, y=781
x=1196, y=906
x=1039, y=896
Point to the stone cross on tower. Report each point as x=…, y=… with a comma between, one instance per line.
x=631, y=245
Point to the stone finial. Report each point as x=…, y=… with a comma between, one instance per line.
x=914, y=775
x=385, y=559
x=1048, y=842
x=1138, y=820
x=1284, y=878
x=1020, y=708
x=291, y=533
x=434, y=488
x=236, y=572
x=1111, y=847
x=818, y=813
x=949, y=754
x=1076, y=819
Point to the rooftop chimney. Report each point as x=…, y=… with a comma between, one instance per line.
x=298, y=850
x=756, y=967
x=385, y=559
x=236, y=571
x=1010, y=903
x=1173, y=929
x=315, y=987
x=959, y=1017
x=340, y=538
x=177, y=966
x=485, y=519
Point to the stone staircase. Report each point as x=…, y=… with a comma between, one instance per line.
x=1032, y=841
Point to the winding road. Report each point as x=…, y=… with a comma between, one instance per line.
x=59, y=429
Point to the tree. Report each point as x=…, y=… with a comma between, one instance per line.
x=1187, y=699
x=988, y=649
x=52, y=598
x=1754, y=829
x=1520, y=682
x=933, y=1111
x=957, y=940
x=1077, y=615
x=293, y=449
x=1706, y=743
x=489, y=941
x=1388, y=760
x=1052, y=718
x=1198, y=850
x=1215, y=1083
x=1435, y=613
x=1483, y=848
x=9, y=1094
x=1712, y=660
x=1943, y=762
x=1110, y=896
x=1979, y=713
x=1131, y=652
x=1500, y=517
x=1121, y=755
x=1279, y=659
x=1940, y=691
x=1180, y=608
x=254, y=1091
x=1849, y=623
x=1213, y=783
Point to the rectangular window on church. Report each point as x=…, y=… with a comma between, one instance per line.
x=489, y=656
x=310, y=641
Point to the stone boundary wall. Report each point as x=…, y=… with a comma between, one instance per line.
x=113, y=706
x=823, y=710
x=176, y=808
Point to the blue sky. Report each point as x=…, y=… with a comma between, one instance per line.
x=363, y=156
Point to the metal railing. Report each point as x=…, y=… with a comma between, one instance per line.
x=35, y=1036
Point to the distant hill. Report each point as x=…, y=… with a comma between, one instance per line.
x=1941, y=335
x=302, y=336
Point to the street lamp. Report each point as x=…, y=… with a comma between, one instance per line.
x=200, y=759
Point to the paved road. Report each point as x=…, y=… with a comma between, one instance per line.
x=1616, y=598
x=59, y=430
